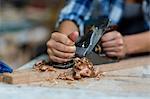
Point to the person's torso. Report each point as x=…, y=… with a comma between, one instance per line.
x=132, y=18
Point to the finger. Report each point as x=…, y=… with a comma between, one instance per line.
x=62, y=54
x=73, y=36
x=110, y=36
x=115, y=54
x=59, y=54
x=57, y=59
x=62, y=38
x=113, y=49
x=61, y=47
x=111, y=54
x=113, y=43
x=49, y=51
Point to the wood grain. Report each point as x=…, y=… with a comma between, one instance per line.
x=28, y=76
x=125, y=64
x=1, y=78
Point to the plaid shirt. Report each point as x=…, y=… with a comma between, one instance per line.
x=80, y=10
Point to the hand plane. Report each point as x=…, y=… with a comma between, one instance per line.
x=89, y=44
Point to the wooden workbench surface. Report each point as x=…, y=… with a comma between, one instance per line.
x=127, y=78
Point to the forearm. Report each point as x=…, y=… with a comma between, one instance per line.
x=138, y=43
x=67, y=27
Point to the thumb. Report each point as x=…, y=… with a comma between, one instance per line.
x=73, y=36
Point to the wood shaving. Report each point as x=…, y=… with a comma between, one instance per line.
x=65, y=76
x=42, y=66
x=83, y=68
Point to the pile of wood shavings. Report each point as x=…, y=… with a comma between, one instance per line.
x=42, y=66
x=66, y=76
x=83, y=68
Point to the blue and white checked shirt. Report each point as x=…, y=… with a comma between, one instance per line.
x=80, y=10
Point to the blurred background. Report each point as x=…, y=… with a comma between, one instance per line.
x=25, y=26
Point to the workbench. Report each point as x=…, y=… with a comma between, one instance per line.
x=130, y=82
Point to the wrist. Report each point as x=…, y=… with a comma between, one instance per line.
x=128, y=48
x=67, y=27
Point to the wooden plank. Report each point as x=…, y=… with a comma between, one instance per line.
x=141, y=71
x=125, y=64
x=28, y=76
x=1, y=78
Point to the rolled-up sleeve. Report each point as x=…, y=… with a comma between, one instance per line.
x=78, y=11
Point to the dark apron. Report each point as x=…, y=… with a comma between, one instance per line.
x=132, y=21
